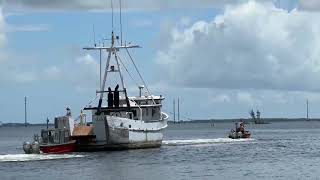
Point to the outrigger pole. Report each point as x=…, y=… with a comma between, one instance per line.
x=112, y=50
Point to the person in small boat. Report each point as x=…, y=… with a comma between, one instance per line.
x=240, y=127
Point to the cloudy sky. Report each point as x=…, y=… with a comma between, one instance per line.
x=222, y=58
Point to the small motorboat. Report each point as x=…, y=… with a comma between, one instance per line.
x=54, y=140
x=239, y=132
x=237, y=135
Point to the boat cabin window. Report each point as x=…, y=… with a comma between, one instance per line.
x=56, y=138
x=55, y=123
x=47, y=136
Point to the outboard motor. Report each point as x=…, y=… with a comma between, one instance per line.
x=33, y=148
x=27, y=147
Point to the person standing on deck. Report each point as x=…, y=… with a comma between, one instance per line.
x=68, y=112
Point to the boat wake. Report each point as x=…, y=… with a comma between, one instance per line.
x=203, y=141
x=36, y=157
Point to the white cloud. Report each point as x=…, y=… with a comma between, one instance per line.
x=86, y=59
x=3, y=38
x=85, y=72
x=248, y=46
x=220, y=98
x=28, y=28
x=246, y=98
x=88, y=62
x=140, y=22
x=24, y=77
x=53, y=72
x=11, y=66
x=185, y=21
x=311, y=5
x=102, y=4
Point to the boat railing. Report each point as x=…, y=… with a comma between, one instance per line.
x=140, y=110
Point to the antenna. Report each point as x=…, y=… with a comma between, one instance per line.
x=112, y=14
x=100, y=68
x=94, y=36
x=120, y=23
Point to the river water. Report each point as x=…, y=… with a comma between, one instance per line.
x=279, y=150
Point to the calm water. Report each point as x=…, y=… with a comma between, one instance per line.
x=190, y=151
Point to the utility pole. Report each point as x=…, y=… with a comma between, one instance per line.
x=178, y=110
x=174, y=111
x=25, y=111
x=307, y=109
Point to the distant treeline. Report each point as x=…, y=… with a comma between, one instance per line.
x=23, y=124
x=267, y=120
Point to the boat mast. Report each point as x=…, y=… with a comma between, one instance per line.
x=120, y=23
x=105, y=73
x=112, y=51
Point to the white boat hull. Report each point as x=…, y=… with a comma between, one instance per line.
x=121, y=133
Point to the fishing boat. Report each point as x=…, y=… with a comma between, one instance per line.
x=122, y=121
x=239, y=132
x=256, y=117
x=54, y=140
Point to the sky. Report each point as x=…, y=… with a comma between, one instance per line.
x=221, y=58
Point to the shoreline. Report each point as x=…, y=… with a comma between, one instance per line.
x=266, y=120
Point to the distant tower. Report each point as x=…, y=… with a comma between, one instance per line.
x=178, y=110
x=25, y=111
x=174, y=111
x=307, y=109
